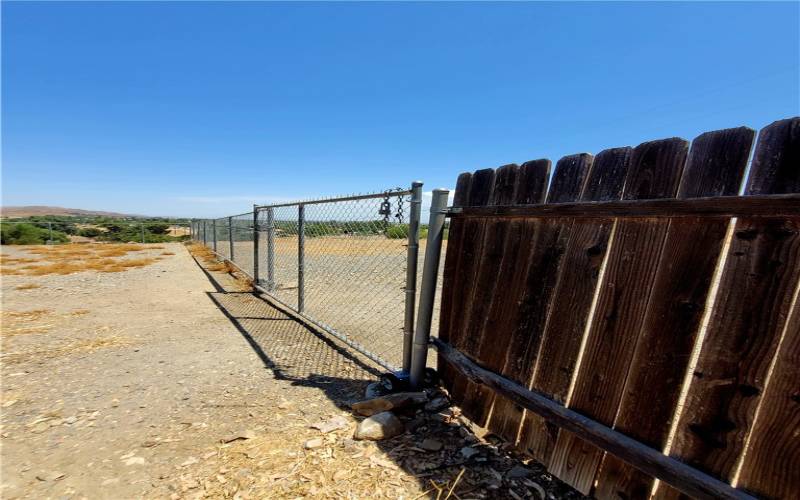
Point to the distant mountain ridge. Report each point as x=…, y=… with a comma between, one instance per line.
x=32, y=210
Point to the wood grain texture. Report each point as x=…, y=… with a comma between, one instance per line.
x=655, y=172
x=481, y=284
x=501, y=319
x=452, y=257
x=572, y=299
x=770, y=468
x=715, y=167
x=506, y=277
x=535, y=298
x=471, y=245
x=749, y=314
x=689, y=480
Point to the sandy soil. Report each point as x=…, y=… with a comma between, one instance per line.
x=167, y=381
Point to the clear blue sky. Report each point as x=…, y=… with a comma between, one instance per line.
x=200, y=109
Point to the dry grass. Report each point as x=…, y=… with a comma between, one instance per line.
x=209, y=259
x=25, y=322
x=51, y=351
x=74, y=258
x=27, y=286
x=16, y=323
x=167, y=253
x=32, y=315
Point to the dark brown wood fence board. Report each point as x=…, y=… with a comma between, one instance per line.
x=715, y=167
x=543, y=261
x=492, y=250
x=452, y=256
x=508, y=274
x=779, y=158
x=487, y=266
x=770, y=467
x=572, y=299
x=655, y=172
x=480, y=194
x=751, y=308
x=532, y=182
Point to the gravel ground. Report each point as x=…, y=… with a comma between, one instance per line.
x=168, y=381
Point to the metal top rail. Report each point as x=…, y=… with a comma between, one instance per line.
x=401, y=192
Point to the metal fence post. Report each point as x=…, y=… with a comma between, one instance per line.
x=430, y=271
x=301, y=245
x=255, y=243
x=230, y=236
x=204, y=233
x=411, y=273
x=142, y=225
x=270, y=249
x=214, y=230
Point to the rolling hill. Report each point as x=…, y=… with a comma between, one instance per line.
x=32, y=210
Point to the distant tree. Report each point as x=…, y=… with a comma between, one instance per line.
x=90, y=232
x=28, y=234
x=157, y=228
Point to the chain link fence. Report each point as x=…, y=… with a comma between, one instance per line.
x=349, y=265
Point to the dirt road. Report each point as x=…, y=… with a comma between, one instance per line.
x=166, y=381
x=125, y=382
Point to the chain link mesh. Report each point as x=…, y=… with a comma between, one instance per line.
x=354, y=256
x=354, y=269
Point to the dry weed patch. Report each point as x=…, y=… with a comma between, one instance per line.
x=27, y=286
x=201, y=252
x=73, y=258
x=52, y=351
x=24, y=322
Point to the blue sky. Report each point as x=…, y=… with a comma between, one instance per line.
x=201, y=109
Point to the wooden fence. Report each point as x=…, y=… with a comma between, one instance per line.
x=673, y=320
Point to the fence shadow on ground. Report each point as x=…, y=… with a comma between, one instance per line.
x=293, y=351
x=305, y=357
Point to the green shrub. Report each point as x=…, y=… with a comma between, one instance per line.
x=90, y=232
x=397, y=232
x=157, y=228
x=28, y=234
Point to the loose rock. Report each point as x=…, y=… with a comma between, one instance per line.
x=374, y=390
x=437, y=404
x=380, y=426
x=331, y=424
x=431, y=444
x=389, y=402
x=313, y=443
x=518, y=472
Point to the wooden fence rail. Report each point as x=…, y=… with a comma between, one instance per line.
x=639, y=291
